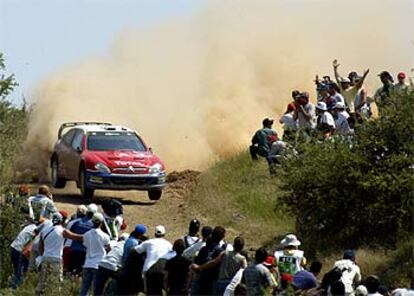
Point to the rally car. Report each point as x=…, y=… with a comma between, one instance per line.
x=99, y=155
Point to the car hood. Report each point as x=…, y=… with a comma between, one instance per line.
x=123, y=158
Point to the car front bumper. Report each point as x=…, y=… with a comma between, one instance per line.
x=98, y=180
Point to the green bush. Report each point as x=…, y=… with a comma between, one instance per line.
x=349, y=195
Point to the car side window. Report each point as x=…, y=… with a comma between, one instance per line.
x=77, y=140
x=67, y=138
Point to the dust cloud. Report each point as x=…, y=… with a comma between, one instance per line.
x=198, y=87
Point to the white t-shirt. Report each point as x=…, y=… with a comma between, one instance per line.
x=327, y=118
x=95, y=241
x=113, y=260
x=303, y=122
x=339, y=98
x=341, y=122
x=350, y=273
x=23, y=237
x=235, y=281
x=289, y=263
x=190, y=240
x=53, y=241
x=289, y=123
x=154, y=248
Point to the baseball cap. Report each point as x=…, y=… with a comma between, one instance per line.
x=345, y=80
x=140, y=229
x=267, y=121
x=97, y=218
x=321, y=106
x=401, y=75
x=64, y=214
x=160, y=230
x=92, y=208
x=384, y=74
x=82, y=209
x=270, y=260
x=349, y=254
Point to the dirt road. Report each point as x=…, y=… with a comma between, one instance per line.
x=171, y=210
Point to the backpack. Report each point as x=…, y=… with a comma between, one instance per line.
x=329, y=278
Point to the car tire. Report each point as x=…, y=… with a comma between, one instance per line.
x=154, y=194
x=57, y=182
x=86, y=192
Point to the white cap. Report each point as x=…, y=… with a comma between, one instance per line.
x=159, y=230
x=361, y=291
x=321, y=106
x=290, y=240
x=339, y=105
x=82, y=209
x=97, y=217
x=92, y=208
x=345, y=80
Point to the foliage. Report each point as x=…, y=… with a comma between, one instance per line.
x=348, y=195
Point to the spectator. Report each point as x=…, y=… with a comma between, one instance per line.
x=135, y=238
x=77, y=248
x=41, y=205
x=257, y=278
x=335, y=95
x=51, y=251
x=19, y=261
x=362, y=107
x=348, y=90
x=290, y=124
x=402, y=87
x=108, y=267
x=372, y=283
x=382, y=96
x=192, y=237
x=306, y=280
x=351, y=274
x=192, y=251
x=261, y=140
x=325, y=121
x=96, y=243
x=342, y=119
x=113, y=222
x=290, y=260
x=361, y=290
x=177, y=275
x=305, y=114
x=154, y=249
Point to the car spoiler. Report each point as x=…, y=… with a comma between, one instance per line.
x=72, y=124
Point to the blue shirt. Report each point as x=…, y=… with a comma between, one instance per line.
x=80, y=227
x=130, y=243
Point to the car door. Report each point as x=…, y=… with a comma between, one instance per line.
x=74, y=156
x=63, y=150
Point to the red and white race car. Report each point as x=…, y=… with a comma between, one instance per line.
x=105, y=156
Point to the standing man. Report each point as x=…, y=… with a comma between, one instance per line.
x=402, y=87
x=290, y=260
x=96, y=243
x=305, y=114
x=325, y=121
x=134, y=239
x=351, y=273
x=261, y=140
x=383, y=94
x=41, y=205
x=341, y=121
x=192, y=237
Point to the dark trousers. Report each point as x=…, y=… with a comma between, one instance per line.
x=76, y=261
x=253, y=152
x=154, y=282
x=20, y=265
x=102, y=277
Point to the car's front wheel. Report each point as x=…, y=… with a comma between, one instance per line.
x=86, y=192
x=57, y=182
x=154, y=194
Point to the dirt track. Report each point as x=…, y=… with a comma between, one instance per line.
x=170, y=210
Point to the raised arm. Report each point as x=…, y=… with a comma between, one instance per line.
x=336, y=65
x=361, y=81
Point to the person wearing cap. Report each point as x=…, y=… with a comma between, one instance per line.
x=51, y=251
x=192, y=237
x=290, y=259
x=261, y=140
x=257, y=277
x=108, y=267
x=192, y=251
x=325, y=120
x=342, y=119
x=305, y=280
x=383, y=94
x=351, y=273
x=96, y=243
x=401, y=87
x=154, y=249
x=41, y=205
x=77, y=250
x=346, y=88
x=134, y=239
x=305, y=114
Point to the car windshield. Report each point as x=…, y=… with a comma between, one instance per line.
x=105, y=141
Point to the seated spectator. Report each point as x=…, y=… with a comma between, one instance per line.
x=177, y=272
x=351, y=274
x=192, y=237
x=261, y=140
x=325, y=120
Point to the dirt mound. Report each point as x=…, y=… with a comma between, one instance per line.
x=180, y=183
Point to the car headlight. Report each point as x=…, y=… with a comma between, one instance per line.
x=102, y=168
x=156, y=169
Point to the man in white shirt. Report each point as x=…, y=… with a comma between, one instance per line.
x=96, y=243
x=51, y=250
x=19, y=261
x=155, y=249
x=192, y=237
x=325, y=121
x=305, y=113
x=351, y=273
x=341, y=122
x=191, y=252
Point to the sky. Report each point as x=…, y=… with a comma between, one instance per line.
x=38, y=37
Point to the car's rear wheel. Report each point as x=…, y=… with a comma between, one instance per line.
x=86, y=192
x=57, y=181
x=154, y=194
